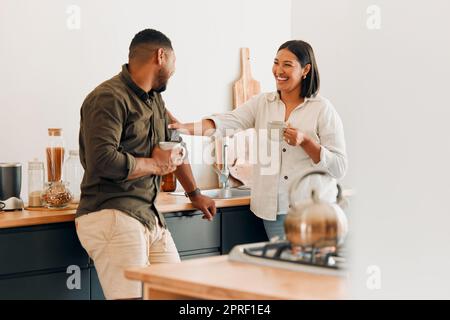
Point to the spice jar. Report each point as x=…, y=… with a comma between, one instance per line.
x=35, y=182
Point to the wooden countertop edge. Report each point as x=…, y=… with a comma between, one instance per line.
x=202, y=291
x=194, y=289
x=220, y=203
x=49, y=218
x=168, y=280
x=165, y=204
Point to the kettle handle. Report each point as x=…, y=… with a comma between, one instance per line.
x=296, y=183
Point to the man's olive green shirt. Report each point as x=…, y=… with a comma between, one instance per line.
x=119, y=123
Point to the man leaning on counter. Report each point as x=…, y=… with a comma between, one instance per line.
x=122, y=122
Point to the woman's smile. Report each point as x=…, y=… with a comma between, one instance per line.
x=281, y=79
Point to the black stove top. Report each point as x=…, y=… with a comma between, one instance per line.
x=328, y=257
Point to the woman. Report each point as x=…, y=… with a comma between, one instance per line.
x=314, y=137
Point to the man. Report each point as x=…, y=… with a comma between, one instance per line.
x=122, y=121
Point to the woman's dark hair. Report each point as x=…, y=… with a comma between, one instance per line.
x=305, y=55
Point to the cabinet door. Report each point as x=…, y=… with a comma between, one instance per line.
x=51, y=286
x=96, y=288
x=43, y=247
x=240, y=225
x=191, y=232
x=200, y=255
x=186, y=255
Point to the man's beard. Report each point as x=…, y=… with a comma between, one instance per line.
x=160, y=89
x=162, y=81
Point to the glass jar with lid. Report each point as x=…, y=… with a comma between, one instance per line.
x=55, y=154
x=35, y=182
x=73, y=174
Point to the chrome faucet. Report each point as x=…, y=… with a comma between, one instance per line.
x=224, y=173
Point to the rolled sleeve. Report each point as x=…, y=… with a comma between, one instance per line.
x=333, y=156
x=219, y=132
x=240, y=119
x=102, y=121
x=131, y=165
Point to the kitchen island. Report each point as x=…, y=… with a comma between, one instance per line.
x=219, y=278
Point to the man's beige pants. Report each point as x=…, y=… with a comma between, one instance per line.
x=115, y=242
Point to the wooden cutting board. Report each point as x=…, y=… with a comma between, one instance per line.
x=243, y=89
x=246, y=87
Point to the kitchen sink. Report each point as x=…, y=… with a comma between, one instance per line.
x=221, y=193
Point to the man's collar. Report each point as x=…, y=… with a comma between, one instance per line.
x=126, y=77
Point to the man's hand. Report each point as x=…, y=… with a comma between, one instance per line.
x=206, y=127
x=166, y=161
x=205, y=204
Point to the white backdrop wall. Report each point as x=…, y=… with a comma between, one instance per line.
x=385, y=65
x=49, y=62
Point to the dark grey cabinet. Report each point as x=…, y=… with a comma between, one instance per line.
x=46, y=286
x=39, y=248
x=238, y=226
x=38, y=262
x=192, y=234
x=195, y=255
x=96, y=288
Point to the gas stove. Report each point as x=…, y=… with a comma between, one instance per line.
x=280, y=254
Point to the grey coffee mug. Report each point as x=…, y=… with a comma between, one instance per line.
x=275, y=130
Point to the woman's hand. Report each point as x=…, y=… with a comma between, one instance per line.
x=294, y=137
x=297, y=138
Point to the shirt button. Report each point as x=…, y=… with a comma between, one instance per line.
x=284, y=149
x=285, y=177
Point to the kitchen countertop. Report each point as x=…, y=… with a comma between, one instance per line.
x=198, y=279
x=165, y=203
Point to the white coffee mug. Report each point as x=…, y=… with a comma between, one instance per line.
x=275, y=130
x=170, y=145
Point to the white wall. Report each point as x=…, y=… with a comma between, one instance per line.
x=390, y=86
x=48, y=69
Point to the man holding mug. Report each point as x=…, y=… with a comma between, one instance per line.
x=122, y=122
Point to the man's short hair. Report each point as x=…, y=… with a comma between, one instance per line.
x=146, y=42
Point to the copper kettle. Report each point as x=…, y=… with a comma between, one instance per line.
x=315, y=224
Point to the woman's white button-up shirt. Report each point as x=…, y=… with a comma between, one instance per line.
x=277, y=164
